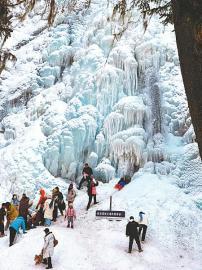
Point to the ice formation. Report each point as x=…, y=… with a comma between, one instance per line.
x=97, y=87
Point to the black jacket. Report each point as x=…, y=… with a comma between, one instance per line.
x=2, y=214
x=87, y=179
x=132, y=229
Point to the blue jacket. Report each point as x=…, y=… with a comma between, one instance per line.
x=18, y=223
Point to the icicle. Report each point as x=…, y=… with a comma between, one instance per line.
x=110, y=87
x=127, y=147
x=133, y=110
x=113, y=124
x=123, y=59
x=100, y=144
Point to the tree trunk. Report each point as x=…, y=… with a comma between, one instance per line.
x=187, y=15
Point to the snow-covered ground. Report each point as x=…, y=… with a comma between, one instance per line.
x=102, y=244
x=97, y=88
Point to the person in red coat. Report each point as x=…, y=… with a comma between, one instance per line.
x=92, y=192
x=42, y=199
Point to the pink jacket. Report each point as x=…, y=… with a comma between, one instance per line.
x=71, y=212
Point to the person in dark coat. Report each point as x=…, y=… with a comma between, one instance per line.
x=2, y=216
x=87, y=172
x=58, y=200
x=24, y=206
x=18, y=223
x=132, y=232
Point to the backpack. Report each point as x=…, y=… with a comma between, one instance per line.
x=55, y=241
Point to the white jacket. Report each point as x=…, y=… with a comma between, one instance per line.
x=48, y=212
x=71, y=195
x=48, y=247
x=144, y=220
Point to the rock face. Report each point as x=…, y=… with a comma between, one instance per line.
x=113, y=100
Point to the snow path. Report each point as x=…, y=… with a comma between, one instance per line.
x=98, y=244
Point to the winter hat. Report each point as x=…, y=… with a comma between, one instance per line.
x=46, y=230
x=131, y=218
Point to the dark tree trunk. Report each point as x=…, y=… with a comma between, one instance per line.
x=188, y=29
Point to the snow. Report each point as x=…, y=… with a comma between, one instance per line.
x=80, y=92
x=170, y=243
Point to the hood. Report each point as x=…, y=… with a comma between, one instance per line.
x=42, y=192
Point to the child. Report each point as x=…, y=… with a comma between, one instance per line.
x=70, y=215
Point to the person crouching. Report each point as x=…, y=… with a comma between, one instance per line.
x=70, y=215
x=18, y=223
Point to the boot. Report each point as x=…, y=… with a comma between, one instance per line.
x=49, y=263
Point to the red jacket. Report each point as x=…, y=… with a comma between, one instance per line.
x=42, y=198
x=71, y=212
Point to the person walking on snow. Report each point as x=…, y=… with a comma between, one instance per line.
x=71, y=194
x=18, y=223
x=91, y=191
x=48, y=248
x=132, y=232
x=70, y=215
x=48, y=211
x=143, y=222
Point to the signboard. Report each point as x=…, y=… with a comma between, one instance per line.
x=110, y=214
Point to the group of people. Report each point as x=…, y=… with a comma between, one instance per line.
x=19, y=215
x=12, y=210
x=91, y=184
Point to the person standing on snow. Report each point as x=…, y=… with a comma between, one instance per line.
x=48, y=248
x=18, y=223
x=2, y=216
x=24, y=206
x=143, y=222
x=42, y=200
x=59, y=201
x=91, y=191
x=48, y=211
x=15, y=201
x=71, y=194
x=11, y=214
x=132, y=232
x=70, y=215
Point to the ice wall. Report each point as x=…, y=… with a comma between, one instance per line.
x=101, y=90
